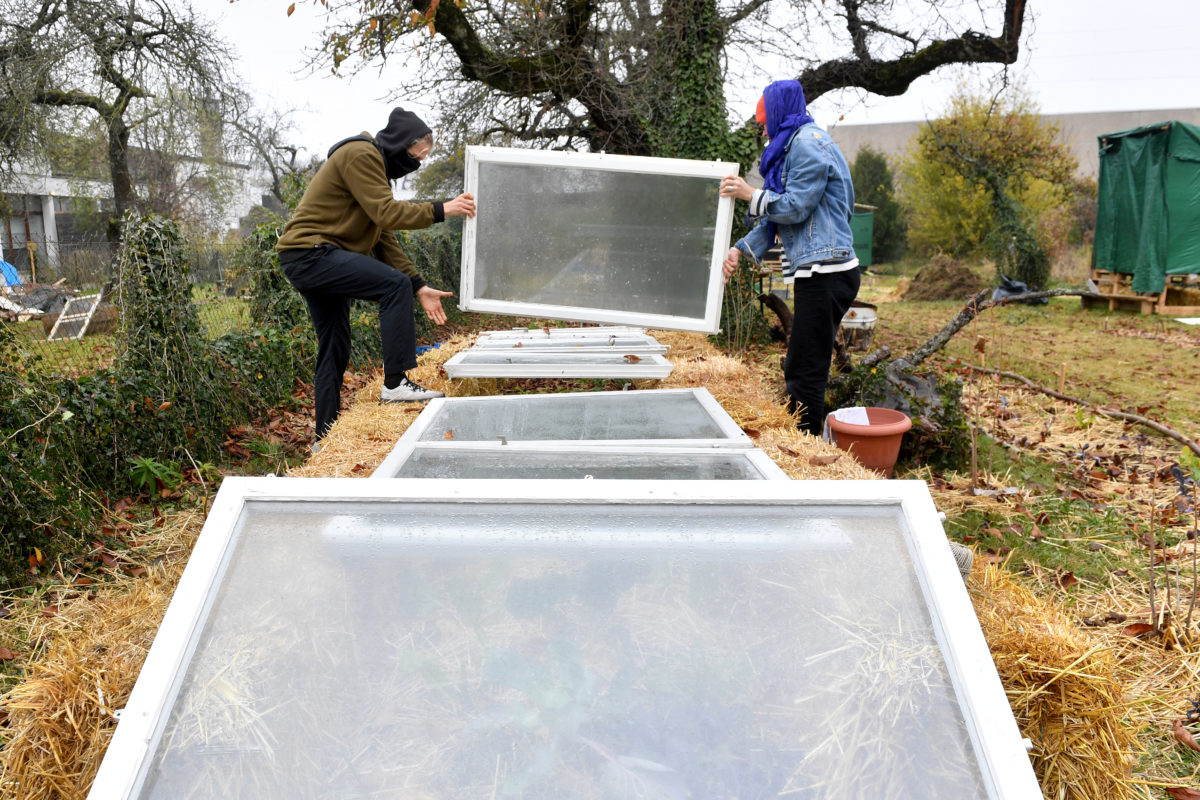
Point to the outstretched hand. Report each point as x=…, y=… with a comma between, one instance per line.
x=431, y=301
x=462, y=205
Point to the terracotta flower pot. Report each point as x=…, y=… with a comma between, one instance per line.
x=875, y=444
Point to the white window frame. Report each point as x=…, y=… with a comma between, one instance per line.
x=732, y=433
x=592, y=332
x=723, y=223
x=992, y=729
x=637, y=344
x=758, y=461
x=559, y=364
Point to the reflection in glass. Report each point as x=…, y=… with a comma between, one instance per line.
x=571, y=417
x=566, y=651
x=595, y=238
x=729, y=465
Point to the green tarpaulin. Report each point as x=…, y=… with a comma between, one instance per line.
x=1148, y=220
x=862, y=227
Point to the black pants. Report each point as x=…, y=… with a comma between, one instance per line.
x=821, y=301
x=329, y=279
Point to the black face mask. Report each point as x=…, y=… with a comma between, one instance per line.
x=403, y=129
x=402, y=164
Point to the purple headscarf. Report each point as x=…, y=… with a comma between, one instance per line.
x=786, y=111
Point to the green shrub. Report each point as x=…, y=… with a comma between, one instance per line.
x=72, y=445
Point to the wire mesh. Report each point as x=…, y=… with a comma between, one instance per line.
x=42, y=277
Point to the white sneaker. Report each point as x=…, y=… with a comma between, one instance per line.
x=408, y=392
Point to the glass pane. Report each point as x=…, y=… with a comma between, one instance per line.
x=579, y=344
x=566, y=651
x=590, y=356
x=448, y=463
x=614, y=240
x=616, y=415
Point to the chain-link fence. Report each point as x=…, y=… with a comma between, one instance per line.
x=60, y=301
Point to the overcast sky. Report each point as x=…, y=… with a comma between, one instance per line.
x=1077, y=55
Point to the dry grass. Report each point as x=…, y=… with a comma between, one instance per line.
x=60, y=718
x=367, y=431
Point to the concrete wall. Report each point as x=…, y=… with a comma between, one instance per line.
x=1079, y=131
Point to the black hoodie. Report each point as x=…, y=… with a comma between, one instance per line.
x=403, y=129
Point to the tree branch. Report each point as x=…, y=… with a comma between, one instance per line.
x=892, y=78
x=743, y=12
x=1191, y=444
x=970, y=311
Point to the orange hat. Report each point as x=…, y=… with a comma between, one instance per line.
x=760, y=113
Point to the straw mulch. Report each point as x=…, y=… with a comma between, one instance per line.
x=60, y=718
x=366, y=432
x=1062, y=686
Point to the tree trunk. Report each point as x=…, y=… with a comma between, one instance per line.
x=122, y=180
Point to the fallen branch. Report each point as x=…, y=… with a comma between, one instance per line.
x=1027, y=296
x=1122, y=415
x=971, y=310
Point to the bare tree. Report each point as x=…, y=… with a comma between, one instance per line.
x=108, y=57
x=262, y=139
x=644, y=77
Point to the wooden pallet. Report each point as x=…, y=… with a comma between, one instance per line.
x=1118, y=294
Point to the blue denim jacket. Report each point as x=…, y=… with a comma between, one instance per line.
x=812, y=216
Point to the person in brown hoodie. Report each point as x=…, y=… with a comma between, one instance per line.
x=340, y=245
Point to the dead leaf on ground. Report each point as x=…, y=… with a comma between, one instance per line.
x=753, y=433
x=1137, y=629
x=1036, y=534
x=1067, y=579
x=787, y=451
x=824, y=460
x=1183, y=735
x=6, y=654
x=632, y=359
x=1182, y=792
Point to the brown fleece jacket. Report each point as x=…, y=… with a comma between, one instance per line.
x=349, y=205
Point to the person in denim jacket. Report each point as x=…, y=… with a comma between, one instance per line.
x=806, y=204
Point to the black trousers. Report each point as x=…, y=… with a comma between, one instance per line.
x=821, y=301
x=329, y=279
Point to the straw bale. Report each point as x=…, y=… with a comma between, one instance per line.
x=367, y=431
x=60, y=717
x=1063, y=687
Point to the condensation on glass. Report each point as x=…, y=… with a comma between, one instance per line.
x=596, y=237
x=509, y=462
x=667, y=414
x=568, y=651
